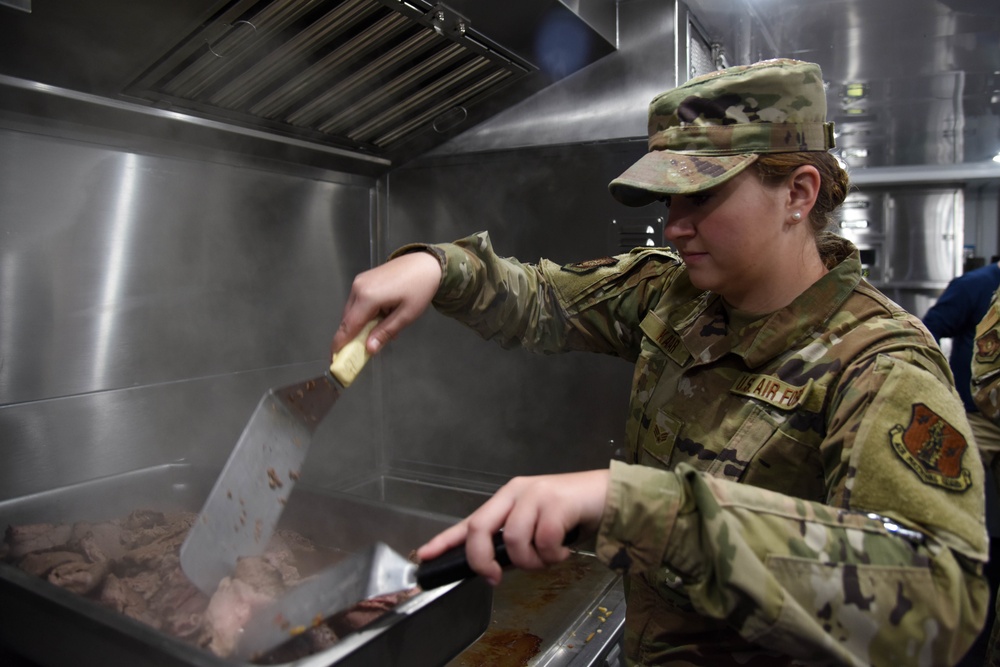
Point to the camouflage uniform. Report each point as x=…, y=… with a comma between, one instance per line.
x=986, y=394
x=800, y=487
x=986, y=362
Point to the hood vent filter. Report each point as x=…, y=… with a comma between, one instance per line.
x=367, y=75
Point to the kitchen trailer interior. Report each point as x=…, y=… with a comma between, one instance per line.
x=184, y=204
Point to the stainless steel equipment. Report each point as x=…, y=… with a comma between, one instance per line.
x=164, y=254
x=569, y=615
x=54, y=627
x=375, y=78
x=248, y=498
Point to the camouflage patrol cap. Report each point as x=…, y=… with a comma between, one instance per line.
x=706, y=131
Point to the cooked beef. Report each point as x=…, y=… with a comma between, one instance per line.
x=100, y=541
x=132, y=565
x=158, y=546
x=254, y=584
x=123, y=598
x=40, y=563
x=177, y=603
x=25, y=539
x=368, y=611
x=80, y=577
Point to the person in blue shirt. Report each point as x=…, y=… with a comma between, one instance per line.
x=955, y=315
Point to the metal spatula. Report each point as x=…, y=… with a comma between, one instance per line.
x=376, y=571
x=242, y=510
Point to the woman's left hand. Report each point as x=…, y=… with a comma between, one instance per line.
x=535, y=514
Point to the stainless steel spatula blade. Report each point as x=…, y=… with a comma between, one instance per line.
x=246, y=502
x=377, y=570
x=244, y=506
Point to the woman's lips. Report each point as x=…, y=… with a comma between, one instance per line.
x=690, y=257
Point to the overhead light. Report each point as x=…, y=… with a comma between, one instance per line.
x=854, y=152
x=854, y=224
x=856, y=90
x=996, y=158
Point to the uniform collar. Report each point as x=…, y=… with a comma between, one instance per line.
x=699, y=318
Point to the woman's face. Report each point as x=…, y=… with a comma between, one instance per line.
x=732, y=237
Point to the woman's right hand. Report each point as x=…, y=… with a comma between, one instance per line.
x=399, y=290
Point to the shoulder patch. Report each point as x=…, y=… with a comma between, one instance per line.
x=933, y=448
x=988, y=347
x=590, y=265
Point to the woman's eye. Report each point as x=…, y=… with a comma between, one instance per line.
x=700, y=199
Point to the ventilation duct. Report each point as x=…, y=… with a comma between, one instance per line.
x=380, y=79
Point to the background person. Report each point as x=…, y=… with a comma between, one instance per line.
x=984, y=388
x=798, y=488
x=955, y=315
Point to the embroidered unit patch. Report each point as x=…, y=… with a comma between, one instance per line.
x=988, y=347
x=933, y=448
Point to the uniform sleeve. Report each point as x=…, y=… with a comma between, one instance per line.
x=986, y=362
x=593, y=306
x=889, y=571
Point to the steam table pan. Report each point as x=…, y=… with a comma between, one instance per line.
x=51, y=626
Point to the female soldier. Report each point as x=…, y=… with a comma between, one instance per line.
x=799, y=487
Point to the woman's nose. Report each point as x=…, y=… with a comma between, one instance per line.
x=676, y=227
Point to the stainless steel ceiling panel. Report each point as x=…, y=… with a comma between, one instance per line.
x=925, y=74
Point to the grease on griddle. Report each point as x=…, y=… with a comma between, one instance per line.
x=547, y=585
x=502, y=648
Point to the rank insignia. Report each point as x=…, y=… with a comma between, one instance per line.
x=590, y=265
x=988, y=347
x=933, y=448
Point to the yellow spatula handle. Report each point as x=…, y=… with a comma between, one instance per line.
x=351, y=358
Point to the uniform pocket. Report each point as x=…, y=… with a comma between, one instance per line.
x=756, y=429
x=853, y=603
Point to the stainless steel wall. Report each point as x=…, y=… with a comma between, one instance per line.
x=148, y=300
x=458, y=406
x=535, y=177
x=153, y=285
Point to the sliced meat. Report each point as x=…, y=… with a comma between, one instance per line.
x=24, y=539
x=80, y=577
x=229, y=610
x=160, y=550
x=40, y=563
x=368, y=611
x=121, y=597
x=132, y=565
x=145, y=584
x=100, y=541
x=183, y=609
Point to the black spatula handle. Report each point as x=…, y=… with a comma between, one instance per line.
x=452, y=565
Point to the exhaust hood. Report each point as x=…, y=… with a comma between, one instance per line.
x=383, y=78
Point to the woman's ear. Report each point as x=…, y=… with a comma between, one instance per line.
x=803, y=188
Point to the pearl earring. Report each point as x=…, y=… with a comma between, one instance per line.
x=796, y=216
